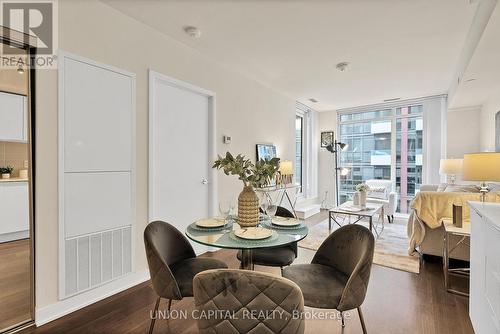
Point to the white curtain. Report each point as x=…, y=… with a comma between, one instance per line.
x=435, y=118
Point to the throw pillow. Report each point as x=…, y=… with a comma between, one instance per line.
x=377, y=192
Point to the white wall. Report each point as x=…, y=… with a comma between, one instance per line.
x=463, y=131
x=246, y=110
x=326, y=173
x=487, y=130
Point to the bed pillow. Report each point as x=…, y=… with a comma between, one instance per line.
x=494, y=187
x=457, y=188
x=442, y=187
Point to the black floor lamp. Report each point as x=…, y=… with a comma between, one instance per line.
x=334, y=148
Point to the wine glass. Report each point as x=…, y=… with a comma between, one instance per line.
x=225, y=209
x=271, y=207
x=264, y=203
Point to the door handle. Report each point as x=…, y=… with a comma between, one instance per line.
x=204, y=181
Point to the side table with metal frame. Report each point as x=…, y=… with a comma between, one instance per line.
x=368, y=213
x=464, y=234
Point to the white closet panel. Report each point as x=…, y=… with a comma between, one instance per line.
x=98, y=126
x=96, y=173
x=96, y=202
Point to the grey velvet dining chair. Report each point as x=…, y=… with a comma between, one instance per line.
x=278, y=256
x=172, y=263
x=338, y=275
x=236, y=294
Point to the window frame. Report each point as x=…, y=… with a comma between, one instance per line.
x=393, y=106
x=300, y=114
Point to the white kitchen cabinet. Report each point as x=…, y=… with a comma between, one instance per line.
x=13, y=117
x=14, y=210
x=484, y=307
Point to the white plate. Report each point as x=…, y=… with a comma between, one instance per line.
x=210, y=223
x=285, y=221
x=253, y=233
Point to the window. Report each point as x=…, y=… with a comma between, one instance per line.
x=382, y=143
x=299, y=149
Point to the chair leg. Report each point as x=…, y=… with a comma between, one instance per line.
x=342, y=317
x=362, y=320
x=155, y=314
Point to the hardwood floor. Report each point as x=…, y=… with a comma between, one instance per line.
x=14, y=282
x=397, y=302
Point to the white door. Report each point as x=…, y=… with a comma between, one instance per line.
x=180, y=149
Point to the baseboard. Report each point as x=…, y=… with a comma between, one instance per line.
x=63, y=307
x=6, y=237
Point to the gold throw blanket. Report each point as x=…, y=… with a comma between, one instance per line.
x=432, y=207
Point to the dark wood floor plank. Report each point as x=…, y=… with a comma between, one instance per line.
x=397, y=302
x=15, y=294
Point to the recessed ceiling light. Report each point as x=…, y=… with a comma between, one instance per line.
x=193, y=31
x=342, y=66
x=393, y=99
x=313, y=100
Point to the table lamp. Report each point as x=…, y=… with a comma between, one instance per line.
x=286, y=171
x=451, y=168
x=482, y=167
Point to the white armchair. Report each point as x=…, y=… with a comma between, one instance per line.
x=381, y=192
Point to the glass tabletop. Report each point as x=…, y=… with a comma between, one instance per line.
x=225, y=238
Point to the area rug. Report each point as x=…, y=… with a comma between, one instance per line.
x=390, y=247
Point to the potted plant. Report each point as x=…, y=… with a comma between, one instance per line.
x=253, y=176
x=6, y=171
x=361, y=190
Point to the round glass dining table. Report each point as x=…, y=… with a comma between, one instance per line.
x=224, y=237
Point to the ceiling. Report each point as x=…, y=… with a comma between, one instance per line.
x=396, y=48
x=482, y=75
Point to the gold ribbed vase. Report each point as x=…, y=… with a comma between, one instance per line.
x=248, y=207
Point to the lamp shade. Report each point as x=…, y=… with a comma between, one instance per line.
x=482, y=166
x=450, y=166
x=286, y=167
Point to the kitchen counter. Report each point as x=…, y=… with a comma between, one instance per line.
x=13, y=179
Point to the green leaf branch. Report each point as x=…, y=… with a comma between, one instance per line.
x=256, y=175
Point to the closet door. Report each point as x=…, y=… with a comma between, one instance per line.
x=97, y=173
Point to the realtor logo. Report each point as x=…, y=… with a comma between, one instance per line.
x=36, y=19
x=31, y=18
